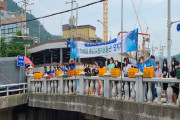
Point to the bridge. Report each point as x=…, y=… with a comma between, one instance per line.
x=105, y=100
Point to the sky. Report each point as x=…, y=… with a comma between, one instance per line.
x=152, y=14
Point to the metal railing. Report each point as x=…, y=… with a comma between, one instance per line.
x=11, y=89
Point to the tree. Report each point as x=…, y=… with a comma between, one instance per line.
x=3, y=47
x=13, y=49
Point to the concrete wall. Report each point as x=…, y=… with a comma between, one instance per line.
x=12, y=101
x=106, y=108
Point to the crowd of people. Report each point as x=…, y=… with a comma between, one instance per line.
x=92, y=70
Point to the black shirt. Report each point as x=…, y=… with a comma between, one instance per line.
x=87, y=70
x=165, y=71
x=94, y=72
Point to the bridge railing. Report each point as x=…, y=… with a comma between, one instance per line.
x=10, y=89
x=159, y=83
x=124, y=89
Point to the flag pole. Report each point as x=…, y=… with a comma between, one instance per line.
x=76, y=41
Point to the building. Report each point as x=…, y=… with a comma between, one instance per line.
x=3, y=5
x=87, y=32
x=55, y=51
x=10, y=22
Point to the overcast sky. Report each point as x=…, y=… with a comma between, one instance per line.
x=152, y=13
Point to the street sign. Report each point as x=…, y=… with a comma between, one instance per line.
x=20, y=61
x=178, y=27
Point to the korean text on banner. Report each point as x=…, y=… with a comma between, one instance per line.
x=86, y=50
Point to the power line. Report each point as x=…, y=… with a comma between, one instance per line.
x=90, y=4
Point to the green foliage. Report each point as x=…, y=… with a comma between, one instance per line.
x=177, y=57
x=12, y=49
x=33, y=25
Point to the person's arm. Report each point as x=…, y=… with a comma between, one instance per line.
x=167, y=75
x=90, y=70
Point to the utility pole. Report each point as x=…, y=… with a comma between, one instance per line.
x=153, y=48
x=169, y=42
x=71, y=21
x=161, y=53
x=103, y=35
x=121, y=36
x=76, y=36
x=25, y=4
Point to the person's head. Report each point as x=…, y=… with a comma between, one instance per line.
x=55, y=68
x=72, y=61
x=141, y=59
x=94, y=66
x=116, y=62
x=124, y=60
x=101, y=65
x=165, y=63
x=67, y=67
x=148, y=55
x=157, y=65
x=173, y=61
x=50, y=67
x=62, y=65
x=87, y=65
x=152, y=58
x=111, y=60
x=127, y=61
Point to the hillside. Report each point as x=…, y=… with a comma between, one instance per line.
x=33, y=25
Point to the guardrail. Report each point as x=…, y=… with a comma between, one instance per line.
x=129, y=89
x=10, y=89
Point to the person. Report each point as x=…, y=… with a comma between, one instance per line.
x=45, y=71
x=60, y=66
x=94, y=70
x=141, y=65
x=71, y=64
x=153, y=84
x=126, y=72
x=165, y=74
x=148, y=64
x=148, y=61
x=54, y=71
x=63, y=68
x=158, y=71
x=153, y=62
x=157, y=74
x=117, y=64
x=50, y=71
x=177, y=85
x=87, y=70
x=111, y=65
x=174, y=86
x=126, y=68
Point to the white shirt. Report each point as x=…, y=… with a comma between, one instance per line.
x=126, y=69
